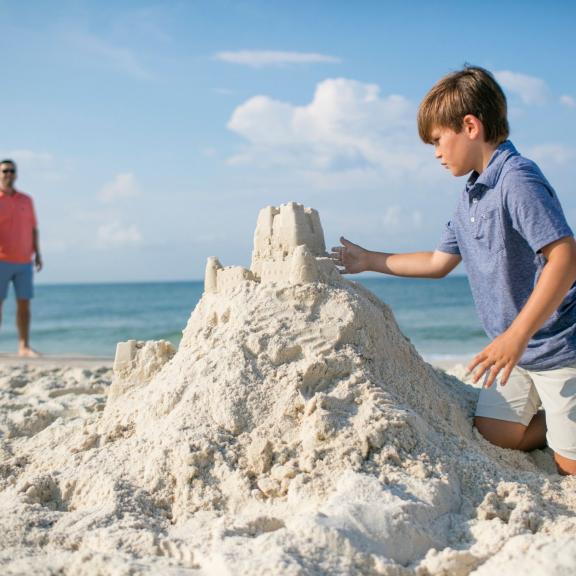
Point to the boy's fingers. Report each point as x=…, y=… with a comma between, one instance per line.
x=492, y=375
x=345, y=242
x=474, y=362
x=481, y=370
x=506, y=374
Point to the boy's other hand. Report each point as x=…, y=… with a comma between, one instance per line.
x=350, y=257
x=501, y=355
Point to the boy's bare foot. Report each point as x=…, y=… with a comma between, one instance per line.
x=27, y=352
x=565, y=466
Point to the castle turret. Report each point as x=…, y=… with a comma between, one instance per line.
x=125, y=354
x=316, y=244
x=291, y=227
x=211, y=274
x=263, y=238
x=303, y=268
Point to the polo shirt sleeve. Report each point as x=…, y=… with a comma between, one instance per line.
x=448, y=242
x=534, y=208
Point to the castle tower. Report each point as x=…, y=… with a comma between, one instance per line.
x=211, y=274
x=279, y=231
x=303, y=268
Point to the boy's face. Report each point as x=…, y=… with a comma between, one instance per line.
x=456, y=150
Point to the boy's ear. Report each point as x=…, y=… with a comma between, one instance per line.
x=472, y=126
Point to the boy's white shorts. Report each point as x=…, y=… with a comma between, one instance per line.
x=525, y=392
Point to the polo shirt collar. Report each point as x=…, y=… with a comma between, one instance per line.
x=491, y=173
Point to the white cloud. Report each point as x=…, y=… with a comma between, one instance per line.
x=37, y=166
x=556, y=154
x=28, y=157
x=209, y=152
x=123, y=186
x=391, y=220
x=348, y=127
x=530, y=89
x=54, y=246
x=397, y=219
x=568, y=101
x=119, y=57
x=262, y=58
x=417, y=219
x=116, y=235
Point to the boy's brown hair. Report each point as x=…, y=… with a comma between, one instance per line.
x=472, y=90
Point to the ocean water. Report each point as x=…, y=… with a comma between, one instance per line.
x=89, y=319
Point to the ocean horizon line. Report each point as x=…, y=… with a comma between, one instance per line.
x=363, y=276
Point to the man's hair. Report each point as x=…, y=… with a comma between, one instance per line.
x=8, y=161
x=472, y=90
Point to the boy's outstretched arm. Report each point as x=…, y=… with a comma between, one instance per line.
x=353, y=259
x=556, y=278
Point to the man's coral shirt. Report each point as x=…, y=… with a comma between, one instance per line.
x=17, y=222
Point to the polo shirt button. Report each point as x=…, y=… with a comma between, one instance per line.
x=472, y=219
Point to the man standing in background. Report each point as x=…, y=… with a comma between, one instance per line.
x=18, y=244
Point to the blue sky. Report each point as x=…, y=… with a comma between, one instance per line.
x=150, y=134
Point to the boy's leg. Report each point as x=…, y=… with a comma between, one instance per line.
x=508, y=416
x=557, y=389
x=514, y=434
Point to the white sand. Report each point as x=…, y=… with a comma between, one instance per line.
x=295, y=431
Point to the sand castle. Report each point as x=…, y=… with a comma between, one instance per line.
x=288, y=248
x=294, y=431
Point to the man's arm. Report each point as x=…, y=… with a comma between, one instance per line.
x=36, y=245
x=354, y=259
x=556, y=278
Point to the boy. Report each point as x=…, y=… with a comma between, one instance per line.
x=520, y=256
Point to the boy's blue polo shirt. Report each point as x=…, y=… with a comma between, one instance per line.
x=503, y=218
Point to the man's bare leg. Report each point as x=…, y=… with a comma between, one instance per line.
x=519, y=437
x=23, y=325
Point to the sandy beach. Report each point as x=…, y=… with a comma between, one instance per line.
x=522, y=522
x=294, y=431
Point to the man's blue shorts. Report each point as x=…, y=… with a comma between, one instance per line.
x=21, y=276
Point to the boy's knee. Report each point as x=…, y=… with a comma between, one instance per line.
x=500, y=432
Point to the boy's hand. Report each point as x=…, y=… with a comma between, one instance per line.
x=501, y=354
x=351, y=257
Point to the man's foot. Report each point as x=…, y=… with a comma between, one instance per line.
x=27, y=352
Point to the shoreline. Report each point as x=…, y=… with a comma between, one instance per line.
x=89, y=361
x=60, y=360
x=447, y=363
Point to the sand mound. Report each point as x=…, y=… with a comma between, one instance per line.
x=295, y=431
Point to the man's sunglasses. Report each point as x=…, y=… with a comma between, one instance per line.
x=9, y=171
